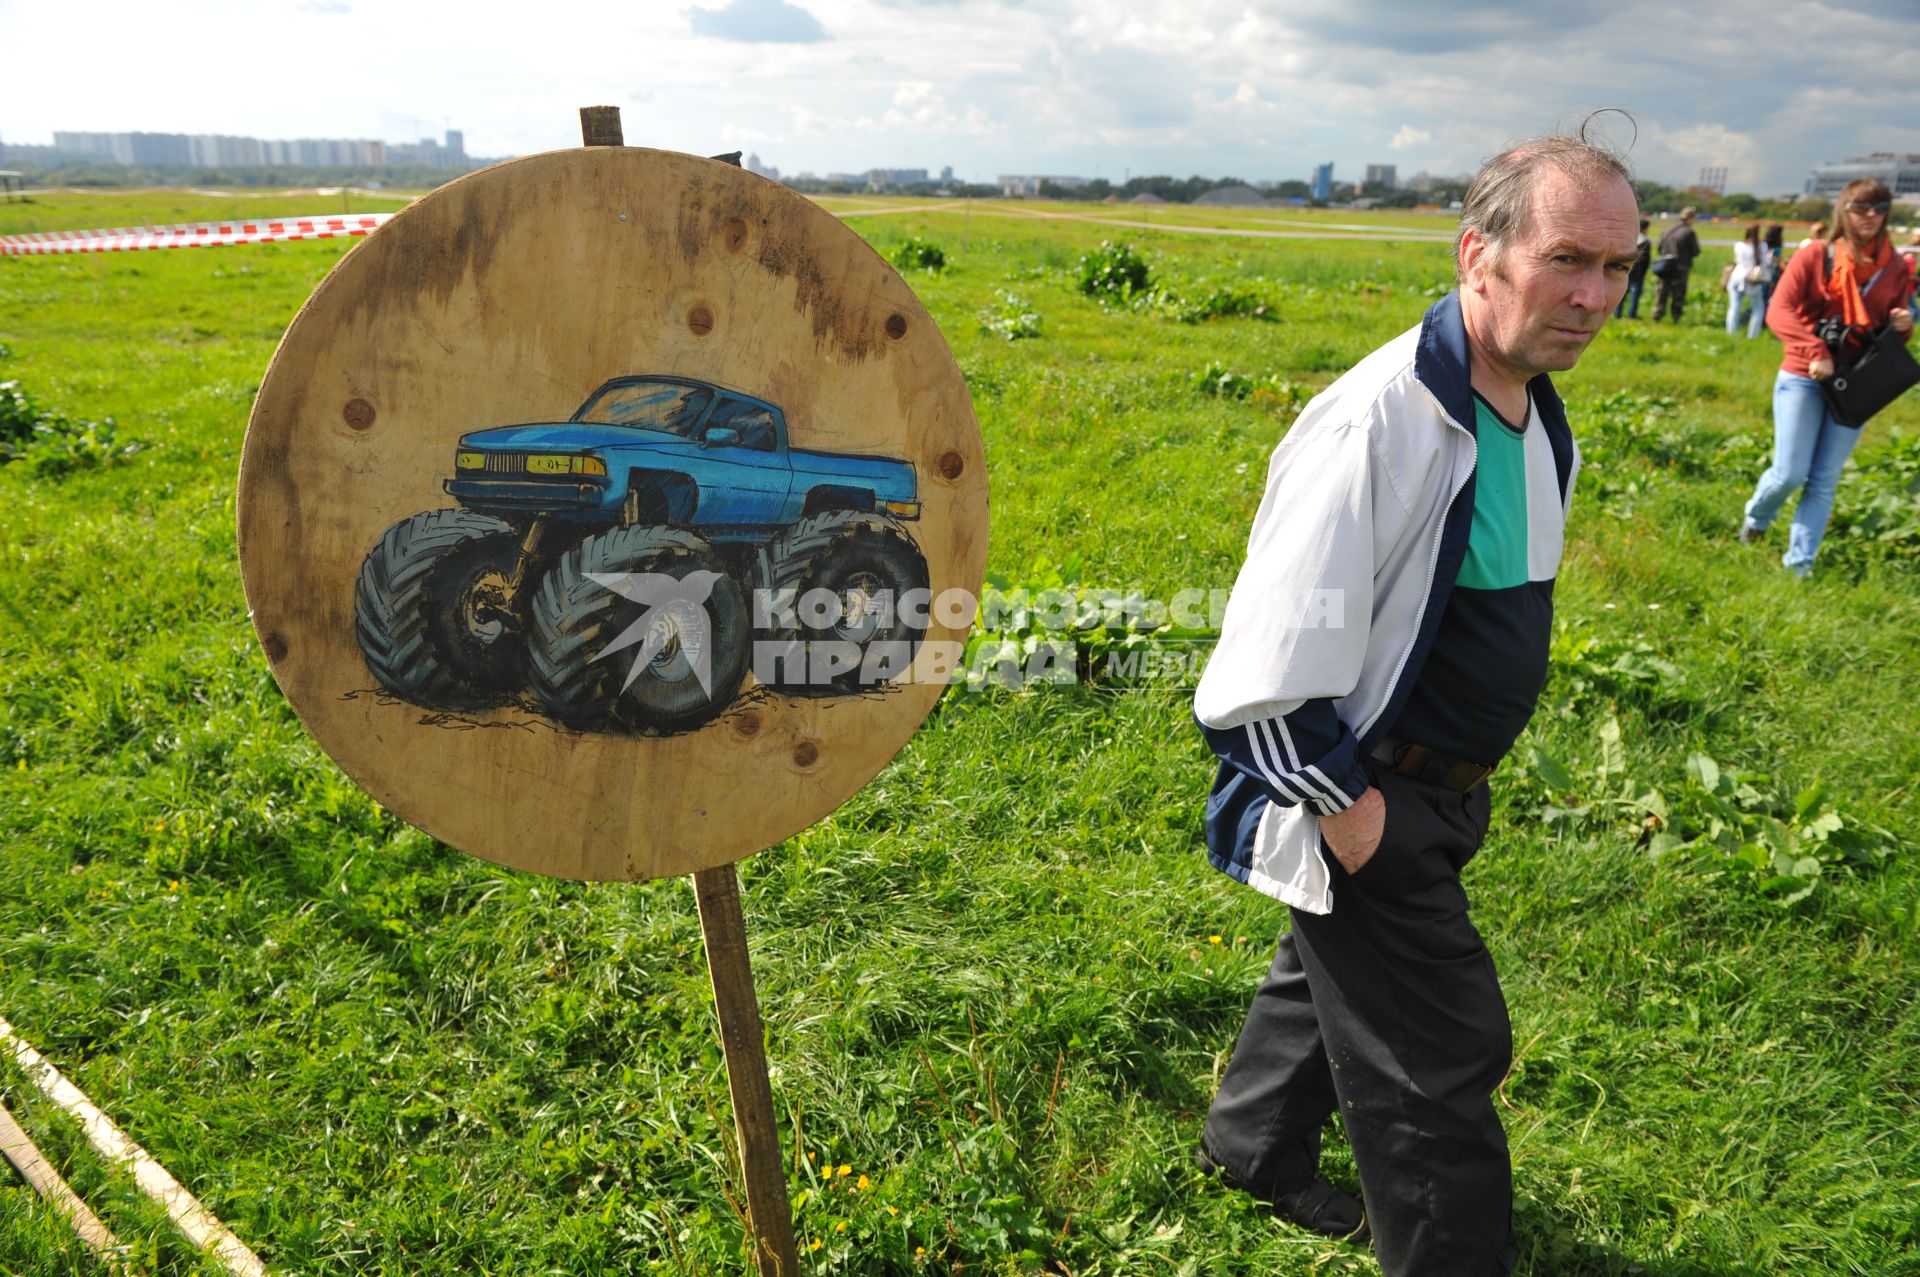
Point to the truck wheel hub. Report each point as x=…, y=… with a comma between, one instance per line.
x=484, y=609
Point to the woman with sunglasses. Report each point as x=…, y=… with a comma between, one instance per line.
x=1857, y=281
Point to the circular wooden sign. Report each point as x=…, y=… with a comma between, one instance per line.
x=612, y=513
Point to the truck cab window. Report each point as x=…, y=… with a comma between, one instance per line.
x=754, y=423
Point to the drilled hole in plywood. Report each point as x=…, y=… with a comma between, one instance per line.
x=896, y=326
x=358, y=414
x=951, y=466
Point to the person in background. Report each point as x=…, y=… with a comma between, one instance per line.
x=1858, y=282
x=1816, y=234
x=1746, y=282
x=1678, y=247
x=1775, y=255
x=1637, y=277
x=1911, y=251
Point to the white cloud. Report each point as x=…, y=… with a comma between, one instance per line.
x=1684, y=151
x=757, y=22
x=1257, y=90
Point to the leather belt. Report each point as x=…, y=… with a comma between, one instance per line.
x=1430, y=765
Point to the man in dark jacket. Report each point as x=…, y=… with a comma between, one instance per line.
x=1678, y=247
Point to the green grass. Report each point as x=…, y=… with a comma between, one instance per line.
x=991, y=984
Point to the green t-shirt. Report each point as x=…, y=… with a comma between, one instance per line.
x=1488, y=662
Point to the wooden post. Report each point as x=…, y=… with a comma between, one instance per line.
x=600, y=126
x=725, y=929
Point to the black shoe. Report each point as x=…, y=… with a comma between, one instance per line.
x=1749, y=534
x=1319, y=1207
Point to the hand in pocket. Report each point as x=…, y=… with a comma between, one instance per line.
x=1354, y=834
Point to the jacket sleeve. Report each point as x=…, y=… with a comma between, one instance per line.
x=1296, y=628
x=1308, y=756
x=1905, y=297
x=1795, y=304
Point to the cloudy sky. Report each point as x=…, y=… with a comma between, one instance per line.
x=1097, y=88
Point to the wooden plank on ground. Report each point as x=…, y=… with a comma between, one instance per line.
x=195, y=1222
x=18, y=1148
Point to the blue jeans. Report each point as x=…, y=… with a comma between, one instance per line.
x=1751, y=296
x=1632, y=295
x=1809, y=448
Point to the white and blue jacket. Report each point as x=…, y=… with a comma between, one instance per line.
x=1354, y=551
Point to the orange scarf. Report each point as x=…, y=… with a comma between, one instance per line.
x=1849, y=274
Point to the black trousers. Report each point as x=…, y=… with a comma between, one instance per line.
x=1389, y=1010
x=1672, y=291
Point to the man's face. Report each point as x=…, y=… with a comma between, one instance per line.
x=1534, y=306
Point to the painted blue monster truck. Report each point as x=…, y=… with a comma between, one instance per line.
x=646, y=524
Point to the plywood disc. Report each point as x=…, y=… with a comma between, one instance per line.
x=611, y=513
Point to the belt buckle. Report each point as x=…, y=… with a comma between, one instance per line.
x=1410, y=759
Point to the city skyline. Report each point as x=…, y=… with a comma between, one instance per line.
x=225, y=150
x=1258, y=91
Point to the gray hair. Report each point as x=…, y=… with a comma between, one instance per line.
x=1500, y=201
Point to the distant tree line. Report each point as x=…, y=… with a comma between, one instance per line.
x=1185, y=190
x=1657, y=198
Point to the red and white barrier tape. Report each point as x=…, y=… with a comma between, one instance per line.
x=191, y=235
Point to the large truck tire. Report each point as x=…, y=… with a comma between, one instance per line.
x=434, y=612
x=638, y=630
x=871, y=565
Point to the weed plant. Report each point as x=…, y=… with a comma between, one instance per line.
x=915, y=253
x=1000, y=983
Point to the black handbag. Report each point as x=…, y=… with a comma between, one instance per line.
x=1871, y=369
x=1883, y=371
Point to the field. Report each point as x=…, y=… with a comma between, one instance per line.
x=1000, y=984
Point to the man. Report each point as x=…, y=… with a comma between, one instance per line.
x=1637, y=277
x=1678, y=247
x=1383, y=647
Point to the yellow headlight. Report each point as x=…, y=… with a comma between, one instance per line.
x=470, y=461
x=905, y=509
x=543, y=463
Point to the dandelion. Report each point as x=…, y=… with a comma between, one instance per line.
x=844, y=1171
x=893, y=1210
x=840, y=1227
x=863, y=1183
x=1213, y=939
x=817, y=1244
